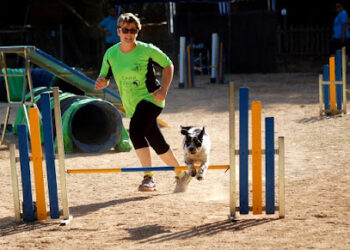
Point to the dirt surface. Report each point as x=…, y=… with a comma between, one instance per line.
x=109, y=212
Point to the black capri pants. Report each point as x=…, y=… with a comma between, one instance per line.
x=144, y=130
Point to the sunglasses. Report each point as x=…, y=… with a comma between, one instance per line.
x=126, y=31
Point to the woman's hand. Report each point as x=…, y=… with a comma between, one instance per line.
x=100, y=83
x=159, y=95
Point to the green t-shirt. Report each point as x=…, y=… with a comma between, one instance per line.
x=132, y=71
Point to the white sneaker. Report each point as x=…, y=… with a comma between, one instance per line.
x=182, y=183
x=148, y=184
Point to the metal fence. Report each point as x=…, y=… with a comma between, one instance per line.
x=304, y=40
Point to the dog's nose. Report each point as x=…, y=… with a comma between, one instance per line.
x=192, y=150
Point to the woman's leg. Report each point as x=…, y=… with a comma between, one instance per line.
x=158, y=143
x=137, y=136
x=144, y=155
x=169, y=159
x=144, y=131
x=148, y=183
x=137, y=129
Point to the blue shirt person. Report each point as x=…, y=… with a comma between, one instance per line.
x=109, y=26
x=340, y=26
x=341, y=35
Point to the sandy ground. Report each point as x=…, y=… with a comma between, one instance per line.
x=109, y=212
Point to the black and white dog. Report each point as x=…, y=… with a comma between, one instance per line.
x=196, y=145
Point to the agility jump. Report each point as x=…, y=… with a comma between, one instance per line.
x=243, y=152
x=332, y=85
x=256, y=153
x=29, y=209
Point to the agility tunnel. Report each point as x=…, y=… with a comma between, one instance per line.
x=89, y=124
x=332, y=85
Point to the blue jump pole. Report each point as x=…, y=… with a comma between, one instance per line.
x=269, y=165
x=338, y=77
x=243, y=150
x=326, y=87
x=166, y=168
x=49, y=155
x=28, y=208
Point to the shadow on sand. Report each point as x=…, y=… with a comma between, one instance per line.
x=144, y=234
x=9, y=227
x=314, y=119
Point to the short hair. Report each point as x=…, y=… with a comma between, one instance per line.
x=340, y=2
x=129, y=18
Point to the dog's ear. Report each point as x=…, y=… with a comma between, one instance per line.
x=184, y=130
x=200, y=136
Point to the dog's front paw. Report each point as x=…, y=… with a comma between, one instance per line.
x=201, y=173
x=193, y=172
x=199, y=177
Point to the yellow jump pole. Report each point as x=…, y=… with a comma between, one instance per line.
x=232, y=182
x=162, y=123
x=332, y=92
x=256, y=157
x=37, y=163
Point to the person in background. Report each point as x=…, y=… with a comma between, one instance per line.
x=341, y=35
x=143, y=97
x=109, y=26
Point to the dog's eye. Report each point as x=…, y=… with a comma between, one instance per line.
x=188, y=142
x=197, y=142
